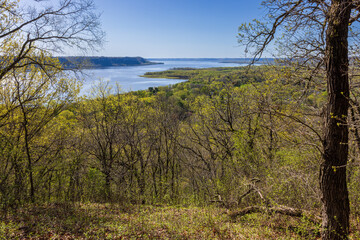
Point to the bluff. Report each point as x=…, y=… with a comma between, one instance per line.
x=103, y=62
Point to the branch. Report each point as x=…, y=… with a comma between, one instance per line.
x=270, y=35
x=293, y=212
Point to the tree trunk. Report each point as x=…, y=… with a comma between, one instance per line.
x=28, y=155
x=142, y=184
x=19, y=181
x=333, y=185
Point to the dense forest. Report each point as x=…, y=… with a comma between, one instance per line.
x=164, y=145
x=228, y=137
x=256, y=152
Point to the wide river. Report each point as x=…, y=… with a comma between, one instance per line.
x=129, y=77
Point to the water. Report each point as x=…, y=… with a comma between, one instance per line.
x=130, y=80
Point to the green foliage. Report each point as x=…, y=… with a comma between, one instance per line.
x=230, y=137
x=94, y=185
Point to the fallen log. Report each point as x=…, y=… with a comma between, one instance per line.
x=278, y=209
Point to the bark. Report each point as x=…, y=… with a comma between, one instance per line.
x=335, y=223
x=107, y=185
x=27, y=150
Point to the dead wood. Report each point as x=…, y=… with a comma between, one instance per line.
x=278, y=209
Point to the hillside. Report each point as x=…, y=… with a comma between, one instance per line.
x=103, y=62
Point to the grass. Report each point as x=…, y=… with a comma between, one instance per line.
x=110, y=221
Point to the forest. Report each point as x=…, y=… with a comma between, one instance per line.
x=254, y=152
x=228, y=138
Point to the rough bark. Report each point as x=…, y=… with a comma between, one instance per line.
x=333, y=169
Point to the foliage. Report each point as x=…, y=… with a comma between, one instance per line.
x=231, y=146
x=227, y=137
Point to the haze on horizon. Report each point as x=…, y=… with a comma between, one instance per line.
x=174, y=29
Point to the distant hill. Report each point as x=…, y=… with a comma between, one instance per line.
x=103, y=62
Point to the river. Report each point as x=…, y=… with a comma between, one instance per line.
x=129, y=77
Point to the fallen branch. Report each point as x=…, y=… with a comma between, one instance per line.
x=252, y=188
x=279, y=209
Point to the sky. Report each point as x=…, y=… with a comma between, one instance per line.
x=175, y=28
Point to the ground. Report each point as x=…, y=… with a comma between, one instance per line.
x=113, y=221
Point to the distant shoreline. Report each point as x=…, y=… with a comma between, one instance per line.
x=88, y=62
x=222, y=60
x=91, y=62
x=128, y=65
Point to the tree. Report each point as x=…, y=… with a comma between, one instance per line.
x=29, y=36
x=164, y=127
x=139, y=143
x=316, y=34
x=34, y=87
x=101, y=117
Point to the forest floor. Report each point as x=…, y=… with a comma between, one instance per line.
x=111, y=221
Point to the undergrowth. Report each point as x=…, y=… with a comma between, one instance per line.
x=112, y=221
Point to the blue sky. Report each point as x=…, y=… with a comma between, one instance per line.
x=174, y=28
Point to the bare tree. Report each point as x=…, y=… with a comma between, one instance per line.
x=29, y=36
